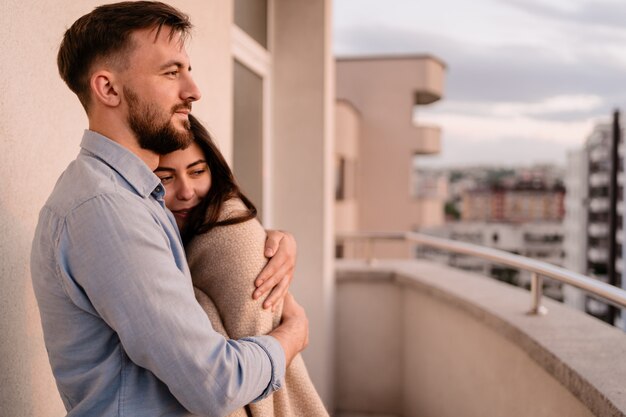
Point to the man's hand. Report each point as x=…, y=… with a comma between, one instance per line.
x=293, y=331
x=275, y=278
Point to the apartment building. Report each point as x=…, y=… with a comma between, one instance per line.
x=598, y=151
x=377, y=140
x=525, y=201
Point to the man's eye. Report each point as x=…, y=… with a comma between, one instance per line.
x=172, y=73
x=166, y=180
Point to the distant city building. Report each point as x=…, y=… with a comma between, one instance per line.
x=598, y=151
x=518, y=210
x=541, y=240
x=376, y=141
x=522, y=202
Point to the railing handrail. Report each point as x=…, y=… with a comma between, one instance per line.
x=614, y=295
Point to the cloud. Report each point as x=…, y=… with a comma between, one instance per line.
x=599, y=13
x=501, y=73
x=512, y=151
x=570, y=105
x=526, y=80
x=483, y=128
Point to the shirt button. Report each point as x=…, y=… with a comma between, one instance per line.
x=159, y=189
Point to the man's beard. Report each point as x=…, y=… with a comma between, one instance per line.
x=154, y=129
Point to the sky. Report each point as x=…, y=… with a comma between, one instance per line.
x=526, y=80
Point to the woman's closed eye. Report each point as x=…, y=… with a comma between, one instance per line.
x=198, y=172
x=166, y=179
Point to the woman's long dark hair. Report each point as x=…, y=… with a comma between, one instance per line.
x=205, y=216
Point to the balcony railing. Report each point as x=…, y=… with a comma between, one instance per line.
x=418, y=338
x=538, y=269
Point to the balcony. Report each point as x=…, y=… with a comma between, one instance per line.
x=598, y=230
x=414, y=338
x=599, y=179
x=428, y=140
x=599, y=204
x=598, y=255
x=599, y=154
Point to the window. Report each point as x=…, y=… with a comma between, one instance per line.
x=340, y=179
x=251, y=112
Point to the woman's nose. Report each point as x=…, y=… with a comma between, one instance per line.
x=185, y=190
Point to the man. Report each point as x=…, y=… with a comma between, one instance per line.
x=124, y=333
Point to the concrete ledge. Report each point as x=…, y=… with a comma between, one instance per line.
x=583, y=354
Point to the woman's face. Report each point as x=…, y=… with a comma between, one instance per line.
x=186, y=178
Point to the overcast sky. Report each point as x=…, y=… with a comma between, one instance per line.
x=526, y=79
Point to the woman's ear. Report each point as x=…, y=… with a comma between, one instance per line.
x=104, y=88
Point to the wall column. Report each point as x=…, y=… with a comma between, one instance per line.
x=302, y=149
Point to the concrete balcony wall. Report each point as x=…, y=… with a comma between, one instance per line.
x=418, y=339
x=428, y=140
x=427, y=212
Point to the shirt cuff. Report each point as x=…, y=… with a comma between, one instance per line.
x=276, y=355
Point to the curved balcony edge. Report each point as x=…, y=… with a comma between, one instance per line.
x=581, y=353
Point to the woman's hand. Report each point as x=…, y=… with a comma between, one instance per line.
x=276, y=277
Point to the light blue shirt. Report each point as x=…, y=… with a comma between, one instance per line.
x=124, y=333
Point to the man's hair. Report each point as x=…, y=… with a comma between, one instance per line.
x=105, y=34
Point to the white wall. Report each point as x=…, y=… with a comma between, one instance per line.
x=303, y=97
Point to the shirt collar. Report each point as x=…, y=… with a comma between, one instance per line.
x=126, y=163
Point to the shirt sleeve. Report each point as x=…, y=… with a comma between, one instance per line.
x=118, y=254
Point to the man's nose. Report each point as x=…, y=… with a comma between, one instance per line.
x=190, y=91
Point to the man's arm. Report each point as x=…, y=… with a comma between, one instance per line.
x=276, y=277
x=122, y=261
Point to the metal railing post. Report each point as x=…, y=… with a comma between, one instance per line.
x=536, y=292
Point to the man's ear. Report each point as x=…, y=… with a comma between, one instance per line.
x=104, y=88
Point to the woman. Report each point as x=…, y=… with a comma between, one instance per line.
x=224, y=243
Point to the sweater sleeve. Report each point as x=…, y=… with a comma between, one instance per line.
x=224, y=263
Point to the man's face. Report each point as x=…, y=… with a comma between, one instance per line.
x=153, y=126
x=158, y=91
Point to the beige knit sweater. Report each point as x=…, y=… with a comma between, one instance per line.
x=224, y=264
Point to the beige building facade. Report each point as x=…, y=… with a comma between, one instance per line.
x=276, y=56
x=377, y=140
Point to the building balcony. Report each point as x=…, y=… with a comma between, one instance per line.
x=598, y=230
x=599, y=154
x=414, y=338
x=598, y=255
x=428, y=140
x=424, y=75
x=599, y=179
x=599, y=204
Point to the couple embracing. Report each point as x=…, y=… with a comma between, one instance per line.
x=147, y=311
